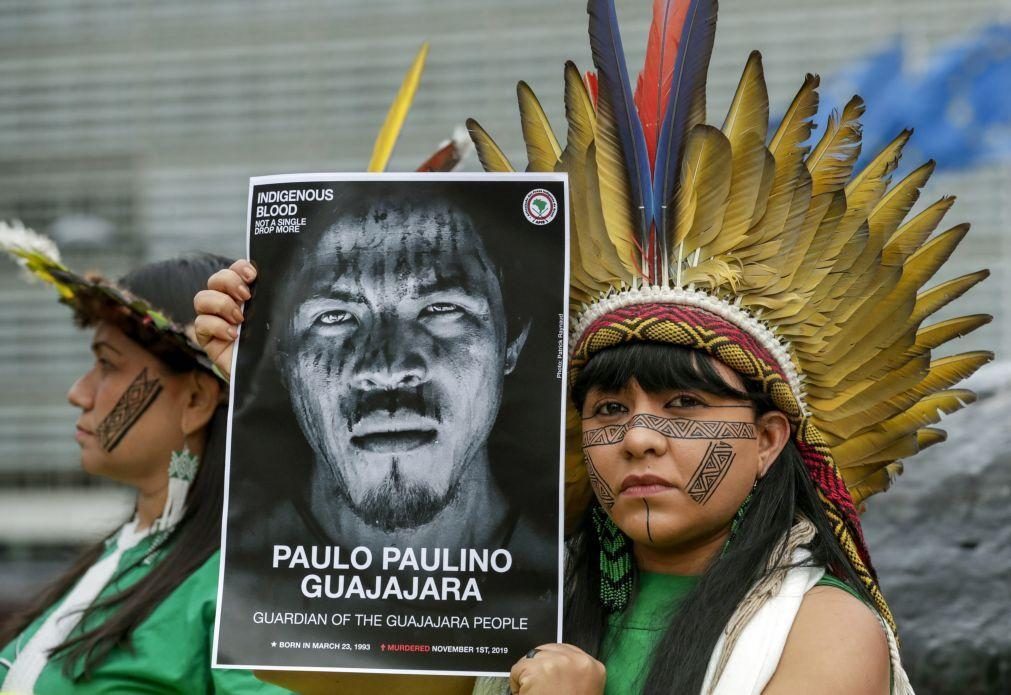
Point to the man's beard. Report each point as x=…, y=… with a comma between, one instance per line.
x=397, y=504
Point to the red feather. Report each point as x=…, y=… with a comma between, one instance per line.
x=591, y=86
x=444, y=159
x=653, y=89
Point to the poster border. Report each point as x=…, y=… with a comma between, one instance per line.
x=324, y=177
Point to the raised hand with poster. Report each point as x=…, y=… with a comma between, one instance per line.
x=393, y=499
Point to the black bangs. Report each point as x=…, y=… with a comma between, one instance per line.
x=657, y=368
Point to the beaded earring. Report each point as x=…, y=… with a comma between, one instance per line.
x=183, y=466
x=735, y=525
x=615, y=562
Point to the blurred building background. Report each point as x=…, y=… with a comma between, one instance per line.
x=128, y=131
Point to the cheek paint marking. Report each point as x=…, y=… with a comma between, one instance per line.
x=710, y=473
x=604, y=492
x=672, y=428
x=137, y=398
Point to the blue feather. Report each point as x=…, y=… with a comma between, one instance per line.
x=615, y=87
x=687, y=88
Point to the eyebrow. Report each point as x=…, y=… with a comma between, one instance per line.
x=350, y=296
x=99, y=344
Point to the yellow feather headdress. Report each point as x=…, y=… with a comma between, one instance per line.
x=769, y=254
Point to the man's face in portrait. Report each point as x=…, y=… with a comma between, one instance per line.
x=396, y=351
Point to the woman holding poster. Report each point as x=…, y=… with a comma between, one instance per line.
x=136, y=611
x=747, y=366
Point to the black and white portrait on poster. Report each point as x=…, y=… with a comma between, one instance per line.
x=394, y=480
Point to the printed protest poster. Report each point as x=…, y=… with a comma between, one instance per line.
x=394, y=468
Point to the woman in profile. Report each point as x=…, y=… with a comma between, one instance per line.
x=136, y=610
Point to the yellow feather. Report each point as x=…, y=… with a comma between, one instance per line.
x=943, y=373
x=543, y=150
x=749, y=111
x=834, y=404
x=794, y=274
x=901, y=448
x=832, y=160
x=701, y=196
x=888, y=214
x=750, y=162
x=395, y=117
x=940, y=333
x=795, y=128
x=912, y=234
x=811, y=270
x=597, y=262
x=861, y=337
x=713, y=273
x=615, y=189
x=488, y=152
x=788, y=149
x=867, y=185
x=877, y=482
x=926, y=412
x=936, y=298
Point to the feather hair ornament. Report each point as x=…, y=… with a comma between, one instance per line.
x=773, y=256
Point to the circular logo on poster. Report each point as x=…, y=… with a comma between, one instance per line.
x=540, y=206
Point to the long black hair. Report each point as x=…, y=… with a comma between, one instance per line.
x=682, y=655
x=170, y=286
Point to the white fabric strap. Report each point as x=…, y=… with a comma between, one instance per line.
x=760, y=645
x=32, y=659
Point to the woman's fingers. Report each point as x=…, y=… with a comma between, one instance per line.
x=231, y=283
x=556, y=668
x=245, y=269
x=216, y=336
x=209, y=327
x=218, y=312
x=215, y=303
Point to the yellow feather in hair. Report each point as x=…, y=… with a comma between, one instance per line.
x=395, y=117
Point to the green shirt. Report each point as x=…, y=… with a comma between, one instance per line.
x=171, y=647
x=631, y=637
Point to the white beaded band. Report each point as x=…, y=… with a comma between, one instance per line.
x=732, y=313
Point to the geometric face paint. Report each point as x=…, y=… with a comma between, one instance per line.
x=604, y=492
x=672, y=428
x=715, y=464
x=708, y=475
x=137, y=398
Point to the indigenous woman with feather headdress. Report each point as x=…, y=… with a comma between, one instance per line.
x=135, y=613
x=750, y=358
